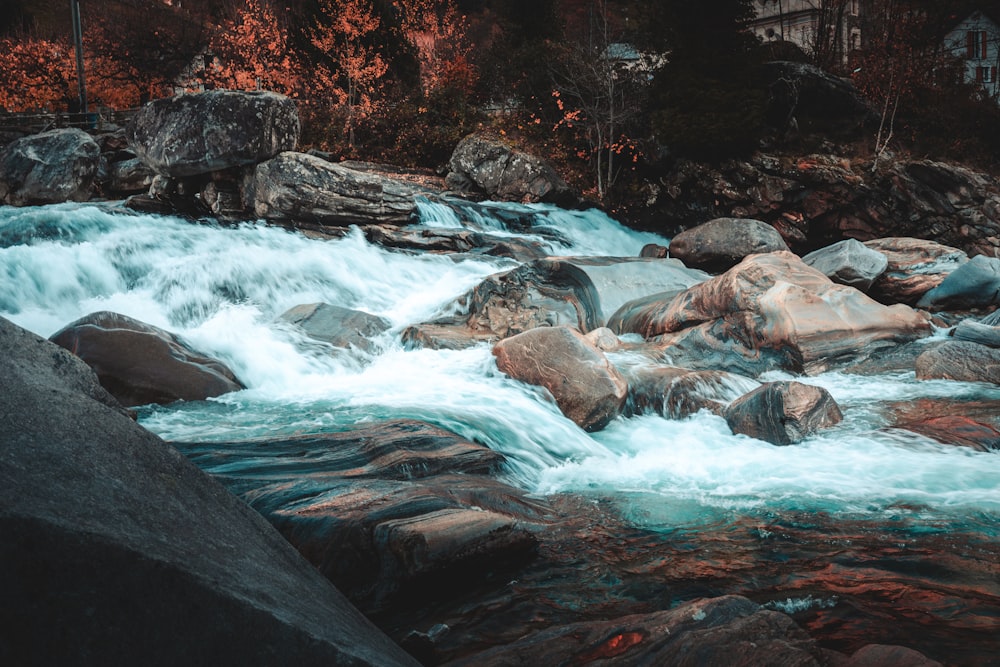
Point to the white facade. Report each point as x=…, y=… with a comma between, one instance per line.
x=976, y=41
x=799, y=22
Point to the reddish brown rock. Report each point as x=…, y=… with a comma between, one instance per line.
x=140, y=364
x=960, y=360
x=915, y=267
x=678, y=392
x=783, y=413
x=586, y=387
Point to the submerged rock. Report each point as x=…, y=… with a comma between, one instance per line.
x=586, y=387
x=117, y=550
x=51, y=167
x=720, y=244
x=199, y=133
x=140, y=364
x=338, y=326
x=783, y=413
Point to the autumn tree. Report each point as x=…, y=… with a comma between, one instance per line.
x=36, y=74
x=251, y=51
x=437, y=33
x=344, y=33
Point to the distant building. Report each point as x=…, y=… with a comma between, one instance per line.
x=975, y=40
x=827, y=29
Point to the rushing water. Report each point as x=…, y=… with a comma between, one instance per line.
x=221, y=288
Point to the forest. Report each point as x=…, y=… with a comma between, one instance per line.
x=603, y=88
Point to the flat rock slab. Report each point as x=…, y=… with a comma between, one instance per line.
x=118, y=550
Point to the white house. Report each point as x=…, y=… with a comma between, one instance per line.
x=976, y=41
x=812, y=25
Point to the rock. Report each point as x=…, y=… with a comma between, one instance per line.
x=977, y=332
x=783, y=413
x=654, y=251
x=638, y=315
x=773, y=311
x=974, y=284
x=445, y=334
x=849, y=262
x=604, y=339
x=915, y=268
x=128, y=176
x=199, y=133
x=951, y=421
x=445, y=240
x=132, y=555
x=730, y=630
x=720, y=244
x=881, y=655
x=338, y=326
x=51, y=167
x=586, y=387
x=817, y=101
x=960, y=360
x=140, y=364
x=296, y=187
x=676, y=393
x=498, y=171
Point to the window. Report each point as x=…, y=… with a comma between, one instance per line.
x=975, y=44
x=986, y=74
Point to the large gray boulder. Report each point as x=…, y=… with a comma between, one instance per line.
x=849, y=262
x=498, y=171
x=974, y=284
x=586, y=387
x=294, y=187
x=117, y=550
x=48, y=168
x=199, y=133
x=720, y=244
x=140, y=364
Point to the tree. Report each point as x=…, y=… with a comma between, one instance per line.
x=437, y=33
x=252, y=51
x=36, y=74
x=343, y=33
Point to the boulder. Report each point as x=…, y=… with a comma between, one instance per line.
x=676, y=393
x=340, y=327
x=960, y=360
x=140, y=364
x=730, y=630
x=449, y=240
x=498, y=171
x=882, y=655
x=915, y=267
x=199, y=133
x=774, y=311
x=386, y=507
x=977, y=332
x=849, y=262
x=720, y=244
x=974, y=284
x=118, y=550
x=585, y=386
x=51, y=167
x=128, y=176
x=294, y=187
x=783, y=413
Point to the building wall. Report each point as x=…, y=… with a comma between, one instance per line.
x=976, y=41
x=797, y=21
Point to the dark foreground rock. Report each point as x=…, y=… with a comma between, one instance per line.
x=117, y=550
x=47, y=168
x=721, y=244
x=783, y=413
x=199, y=133
x=139, y=363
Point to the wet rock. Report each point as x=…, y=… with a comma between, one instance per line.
x=849, y=262
x=773, y=311
x=498, y=171
x=676, y=393
x=977, y=332
x=783, y=413
x=441, y=240
x=51, y=167
x=199, y=133
x=960, y=360
x=140, y=364
x=338, y=326
x=720, y=244
x=298, y=187
x=729, y=630
x=132, y=555
x=445, y=334
x=974, y=284
x=604, y=339
x=586, y=387
x=915, y=267
x=639, y=315
x=654, y=251
x=128, y=176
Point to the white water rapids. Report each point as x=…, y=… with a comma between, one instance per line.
x=221, y=288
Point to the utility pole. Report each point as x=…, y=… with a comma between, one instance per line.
x=74, y=6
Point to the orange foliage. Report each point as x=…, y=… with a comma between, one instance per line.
x=36, y=74
x=252, y=52
x=437, y=32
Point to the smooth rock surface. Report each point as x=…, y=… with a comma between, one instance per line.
x=915, y=267
x=586, y=387
x=783, y=413
x=140, y=364
x=340, y=327
x=47, y=168
x=118, y=550
x=720, y=244
x=849, y=262
x=974, y=284
x=199, y=133
x=676, y=393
